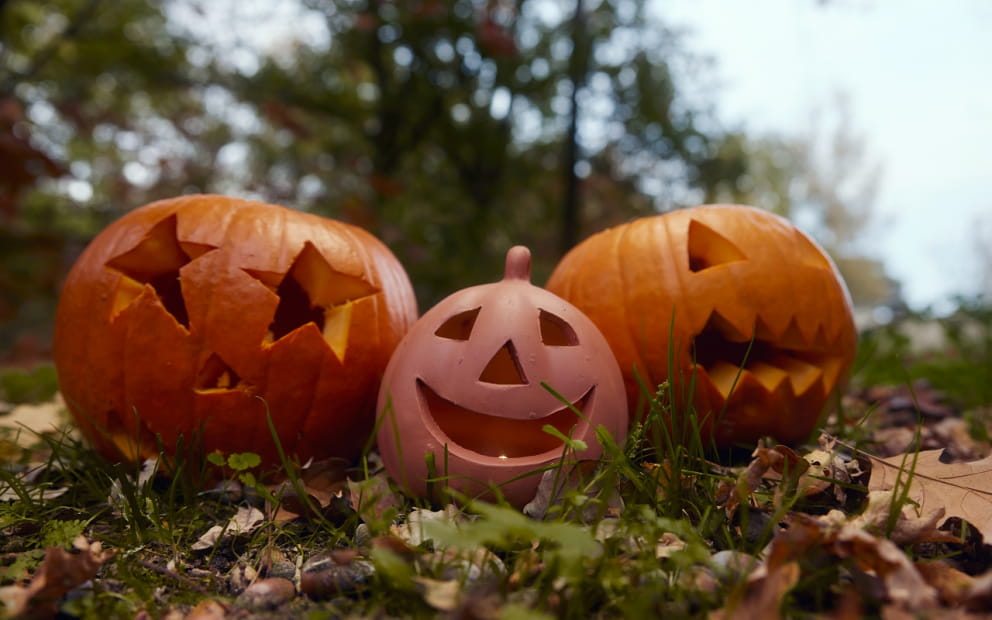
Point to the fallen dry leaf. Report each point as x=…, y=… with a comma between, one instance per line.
x=668, y=544
x=291, y=504
x=118, y=498
x=373, y=499
x=555, y=484
x=412, y=530
x=464, y=565
x=820, y=475
x=877, y=560
x=244, y=521
x=955, y=435
x=879, y=557
x=965, y=489
x=760, y=594
x=30, y=478
x=26, y=422
x=325, y=478
x=324, y=482
x=59, y=572
x=951, y=584
x=441, y=595
x=904, y=585
x=979, y=594
x=907, y=527
x=830, y=471
x=765, y=463
x=763, y=596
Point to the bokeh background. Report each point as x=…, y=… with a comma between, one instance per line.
x=454, y=129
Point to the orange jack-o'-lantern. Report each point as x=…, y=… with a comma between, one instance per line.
x=195, y=317
x=754, y=314
x=468, y=385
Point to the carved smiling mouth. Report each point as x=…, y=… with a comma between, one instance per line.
x=495, y=436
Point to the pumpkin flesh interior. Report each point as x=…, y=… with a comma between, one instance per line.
x=728, y=357
x=155, y=261
x=314, y=292
x=496, y=436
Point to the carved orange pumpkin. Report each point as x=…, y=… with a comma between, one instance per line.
x=465, y=386
x=753, y=312
x=193, y=317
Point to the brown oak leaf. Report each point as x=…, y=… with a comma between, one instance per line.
x=963, y=489
x=59, y=572
x=763, y=598
x=765, y=462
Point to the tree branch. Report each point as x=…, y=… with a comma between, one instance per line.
x=45, y=55
x=577, y=71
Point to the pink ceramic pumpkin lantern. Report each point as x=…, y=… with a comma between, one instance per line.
x=467, y=385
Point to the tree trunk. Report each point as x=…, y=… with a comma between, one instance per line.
x=578, y=68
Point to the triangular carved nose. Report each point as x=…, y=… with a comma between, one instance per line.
x=504, y=368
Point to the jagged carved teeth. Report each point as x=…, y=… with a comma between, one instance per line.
x=732, y=359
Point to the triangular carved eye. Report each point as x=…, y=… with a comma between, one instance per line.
x=314, y=292
x=156, y=261
x=296, y=308
x=215, y=374
x=708, y=248
x=555, y=332
x=458, y=327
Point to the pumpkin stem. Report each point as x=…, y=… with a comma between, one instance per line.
x=517, y=263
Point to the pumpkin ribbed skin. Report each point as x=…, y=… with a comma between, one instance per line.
x=753, y=313
x=192, y=317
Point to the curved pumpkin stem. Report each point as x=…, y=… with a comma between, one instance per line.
x=517, y=264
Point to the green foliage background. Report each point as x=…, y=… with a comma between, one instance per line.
x=452, y=130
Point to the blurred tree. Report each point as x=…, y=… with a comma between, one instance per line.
x=825, y=182
x=450, y=129
x=109, y=93
x=456, y=129
x=90, y=101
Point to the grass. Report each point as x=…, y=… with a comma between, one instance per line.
x=961, y=367
x=641, y=534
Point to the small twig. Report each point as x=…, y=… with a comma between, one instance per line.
x=168, y=572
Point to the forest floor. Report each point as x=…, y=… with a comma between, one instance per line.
x=885, y=516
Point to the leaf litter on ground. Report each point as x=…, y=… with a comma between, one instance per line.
x=963, y=488
x=898, y=547
x=59, y=572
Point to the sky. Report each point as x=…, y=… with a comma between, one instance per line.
x=917, y=75
x=911, y=71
